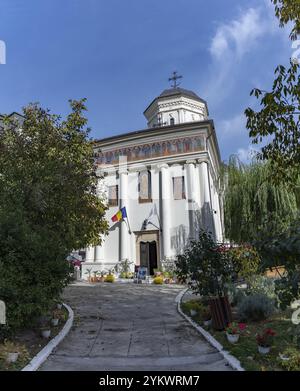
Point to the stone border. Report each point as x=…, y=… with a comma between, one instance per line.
x=232, y=361
x=42, y=356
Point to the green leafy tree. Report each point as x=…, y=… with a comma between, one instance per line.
x=253, y=204
x=276, y=124
x=288, y=11
x=48, y=206
x=283, y=250
x=205, y=266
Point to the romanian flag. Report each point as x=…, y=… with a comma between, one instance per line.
x=121, y=214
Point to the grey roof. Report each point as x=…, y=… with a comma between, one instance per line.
x=180, y=92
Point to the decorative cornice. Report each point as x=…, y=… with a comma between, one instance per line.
x=191, y=161
x=162, y=165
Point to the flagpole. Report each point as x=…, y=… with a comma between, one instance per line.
x=128, y=225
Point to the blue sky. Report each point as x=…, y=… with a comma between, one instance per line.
x=119, y=55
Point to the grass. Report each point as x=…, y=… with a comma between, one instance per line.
x=246, y=348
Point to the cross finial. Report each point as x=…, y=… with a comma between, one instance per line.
x=174, y=79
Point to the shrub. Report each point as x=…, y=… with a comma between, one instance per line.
x=235, y=294
x=262, y=285
x=255, y=307
x=293, y=362
x=205, y=265
x=158, y=280
x=110, y=278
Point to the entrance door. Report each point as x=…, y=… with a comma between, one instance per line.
x=148, y=256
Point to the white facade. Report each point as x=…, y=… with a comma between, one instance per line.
x=177, y=167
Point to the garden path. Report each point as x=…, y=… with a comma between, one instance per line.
x=129, y=327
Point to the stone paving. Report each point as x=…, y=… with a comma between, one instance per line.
x=129, y=327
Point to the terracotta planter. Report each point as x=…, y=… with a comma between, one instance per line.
x=264, y=349
x=232, y=338
x=12, y=357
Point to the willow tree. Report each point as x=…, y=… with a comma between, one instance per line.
x=253, y=204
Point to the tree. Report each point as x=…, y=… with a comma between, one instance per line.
x=288, y=11
x=283, y=250
x=253, y=205
x=277, y=123
x=205, y=266
x=48, y=206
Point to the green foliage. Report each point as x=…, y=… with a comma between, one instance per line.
x=255, y=307
x=293, y=359
x=288, y=11
x=262, y=285
x=277, y=124
x=205, y=266
x=283, y=250
x=253, y=205
x=234, y=293
x=245, y=259
x=48, y=207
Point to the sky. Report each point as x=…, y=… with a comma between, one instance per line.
x=119, y=55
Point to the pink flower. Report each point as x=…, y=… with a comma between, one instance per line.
x=242, y=326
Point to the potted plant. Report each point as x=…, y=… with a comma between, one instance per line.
x=207, y=268
x=94, y=278
x=55, y=317
x=110, y=278
x=233, y=331
x=88, y=272
x=265, y=341
x=11, y=351
x=206, y=316
x=45, y=331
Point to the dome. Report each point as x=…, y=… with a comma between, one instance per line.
x=174, y=106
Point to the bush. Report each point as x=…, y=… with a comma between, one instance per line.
x=293, y=362
x=205, y=265
x=262, y=285
x=158, y=280
x=110, y=278
x=235, y=294
x=255, y=307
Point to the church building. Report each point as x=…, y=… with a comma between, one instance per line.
x=161, y=184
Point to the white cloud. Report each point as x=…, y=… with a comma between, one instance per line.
x=238, y=36
x=247, y=154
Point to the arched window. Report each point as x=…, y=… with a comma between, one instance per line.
x=145, y=186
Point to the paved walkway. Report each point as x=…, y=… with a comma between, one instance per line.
x=130, y=327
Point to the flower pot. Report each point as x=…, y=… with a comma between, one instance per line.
x=264, y=349
x=46, y=333
x=54, y=321
x=12, y=357
x=59, y=306
x=207, y=323
x=193, y=312
x=232, y=338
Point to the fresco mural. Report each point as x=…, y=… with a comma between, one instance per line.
x=153, y=150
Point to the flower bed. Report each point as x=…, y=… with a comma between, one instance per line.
x=284, y=353
x=28, y=343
